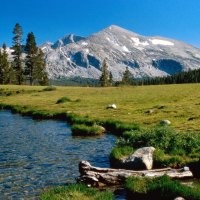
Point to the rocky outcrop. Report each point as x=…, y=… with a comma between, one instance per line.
x=141, y=159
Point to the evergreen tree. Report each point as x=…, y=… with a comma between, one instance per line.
x=31, y=57
x=1, y=68
x=127, y=78
x=35, y=68
x=17, y=53
x=104, y=79
x=4, y=66
x=110, y=79
x=41, y=69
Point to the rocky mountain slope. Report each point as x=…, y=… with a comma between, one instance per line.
x=74, y=56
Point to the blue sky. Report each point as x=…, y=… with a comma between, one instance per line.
x=52, y=19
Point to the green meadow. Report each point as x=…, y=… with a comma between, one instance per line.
x=143, y=105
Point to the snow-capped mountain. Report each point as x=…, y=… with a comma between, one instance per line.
x=144, y=56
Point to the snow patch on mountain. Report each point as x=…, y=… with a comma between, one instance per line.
x=125, y=49
x=84, y=43
x=138, y=42
x=161, y=42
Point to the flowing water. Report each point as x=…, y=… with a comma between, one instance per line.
x=38, y=154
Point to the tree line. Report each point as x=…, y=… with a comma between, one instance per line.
x=106, y=78
x=26, y=65
x=191, y=76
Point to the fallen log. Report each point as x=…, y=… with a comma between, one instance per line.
x=96, y=176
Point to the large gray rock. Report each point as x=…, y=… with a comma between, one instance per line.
x=141, y=159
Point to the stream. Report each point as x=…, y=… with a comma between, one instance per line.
x=39, y=154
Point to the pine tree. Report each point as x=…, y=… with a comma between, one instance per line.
x=17, y=54
x=31, y=57
x=104, y=79
x=40, y=71
x=35, y=68
x=1, y=68
x=4, y=66
x=127, y=78
x=110, y=79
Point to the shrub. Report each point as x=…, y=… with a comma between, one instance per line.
x=49, y=88
x=63, y=100
x=120, y=152
x=164, y=138
x=172, y=148
x=117, y=127
x=74, y=192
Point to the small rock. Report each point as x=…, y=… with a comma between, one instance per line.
x=186, y=168
x=165, y=122
x=101, y=128
x=112, y=106
x=150, y=111
x=179, y=198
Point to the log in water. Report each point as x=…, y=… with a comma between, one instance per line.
x=97, y=176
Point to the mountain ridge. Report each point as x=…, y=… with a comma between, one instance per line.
x=145, y=56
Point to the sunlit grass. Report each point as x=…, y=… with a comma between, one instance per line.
x=76, y=192
x=178, y=103
x=159, y=188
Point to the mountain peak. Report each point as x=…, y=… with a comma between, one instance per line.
x=67, y=39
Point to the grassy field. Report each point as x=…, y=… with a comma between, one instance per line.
x=75, y=192
x=145, y=105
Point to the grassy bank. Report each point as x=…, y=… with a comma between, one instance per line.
x=173, y=149
x=144, y=105
x=75, y=192
x=159, y=188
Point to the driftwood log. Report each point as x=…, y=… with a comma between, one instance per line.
x=95, y=176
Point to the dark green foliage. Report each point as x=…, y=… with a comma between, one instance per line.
x=120, y=152
x=63, y=100
x=5, y=68
x=165, y=138
x=75, y=192
x=35, y=64
x=191, y=76
x=159, y=188
x=31, y=57
x=104, y=79
x=127, y=78
x=49, y=88
x=172, y=148
x=17, y=54
x=117, y=127
x=40, y=71
x=110, y=79
x=85, y=130
x=75, y=81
